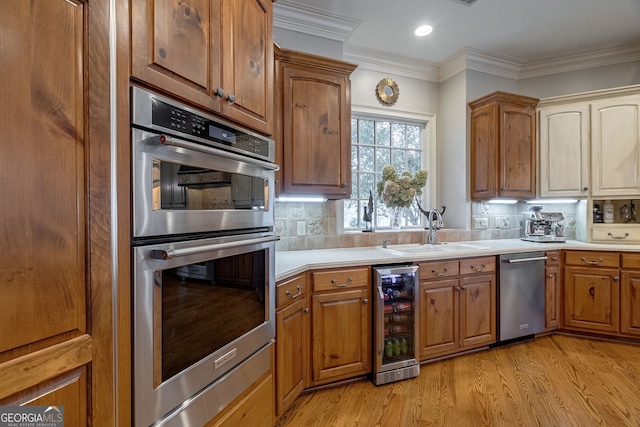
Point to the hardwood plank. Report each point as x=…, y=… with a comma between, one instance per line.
x=556, y=380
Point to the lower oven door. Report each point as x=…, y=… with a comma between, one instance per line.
x=201, y=308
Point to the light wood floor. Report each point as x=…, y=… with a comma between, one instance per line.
x=551, y=381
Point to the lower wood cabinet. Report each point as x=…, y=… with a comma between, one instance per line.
x=254, y=408
x=553, y=291
x=457, y=306
x=630, y=295
x=592, y=291
x=293, y=323
x=341, y=324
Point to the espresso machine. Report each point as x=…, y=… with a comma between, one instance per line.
x=539, y=226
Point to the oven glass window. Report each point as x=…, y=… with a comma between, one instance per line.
x=184, y=187
x=207, y=305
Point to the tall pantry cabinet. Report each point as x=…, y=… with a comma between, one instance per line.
x=56, y=312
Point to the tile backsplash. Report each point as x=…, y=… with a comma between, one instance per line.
x=314, y=226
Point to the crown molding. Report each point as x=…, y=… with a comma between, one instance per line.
x=313, y=21
x=600, y=58
x=392, y=64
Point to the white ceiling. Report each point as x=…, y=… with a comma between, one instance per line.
x=525, y=31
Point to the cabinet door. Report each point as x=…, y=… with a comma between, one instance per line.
x=517, y=151
x=564, y=150
x=477, y=311
x=341, y=335
x=316, y=122
x=552, y=291
x=175, y=46
x=630, y=303
x=484, y=152
x=439, y=317
x=292, y=355
x=615, y=146
x=247, y=62
x=591, y=298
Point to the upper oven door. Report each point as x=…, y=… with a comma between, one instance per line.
x=181, y=187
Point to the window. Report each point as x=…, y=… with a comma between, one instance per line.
x=376, y=143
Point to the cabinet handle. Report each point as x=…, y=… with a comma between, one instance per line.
x=618, y=237
x=433, y=270
x=342, y=285
x=366, y=301
x=458, y=288
x=463, y=287
x=306, y=310
x=219, y=92
x=592, y=292
x=295, y=295
x=555, y=258
x=591, y=262
x=478, y=269
x=231, y=98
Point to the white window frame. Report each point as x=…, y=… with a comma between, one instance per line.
x=428, y=122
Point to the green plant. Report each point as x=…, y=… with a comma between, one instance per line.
x=398, y=191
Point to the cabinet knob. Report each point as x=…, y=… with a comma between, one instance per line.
x=550, y=276
x=306, y=310
x=616, y=278
x=585, y=188
x=219, y=92
x=366, y=301
x=231, y=98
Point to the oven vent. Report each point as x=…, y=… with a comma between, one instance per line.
x=466, y=2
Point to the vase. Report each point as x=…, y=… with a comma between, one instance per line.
x=396, y=217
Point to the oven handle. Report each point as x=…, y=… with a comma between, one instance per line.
x=167, y=140
x=172, y=253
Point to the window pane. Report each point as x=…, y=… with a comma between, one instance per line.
x=366, y=185
x=350, y=214
x=413, y=137
x=366, y=159
x=398, y=161
x=397, y=136
x=366, y=132
x=354, y=157
x=354, y=131
x=354, y=184
x=383, y=158
x=413, y=161
x=383, y=133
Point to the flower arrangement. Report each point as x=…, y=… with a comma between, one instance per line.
x=398, y=191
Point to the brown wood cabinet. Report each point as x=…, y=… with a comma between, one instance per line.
x=457, y=305
x=293, y=329
x=56, y=311
x=630, y=295
x=592, y=291
x=553, y=291
x=341, y=324
x=313, y=106
x=503, y=146
x=217, y=54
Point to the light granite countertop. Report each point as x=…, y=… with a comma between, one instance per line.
x=289, y=263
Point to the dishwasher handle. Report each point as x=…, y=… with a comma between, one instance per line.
x=515, y=261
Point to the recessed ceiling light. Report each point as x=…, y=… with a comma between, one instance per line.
x=423, y=30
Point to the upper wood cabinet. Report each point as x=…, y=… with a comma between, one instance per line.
x=503, y=146
x=217, y=54
x=564, y=150
x=615, y=146
x=313, y=105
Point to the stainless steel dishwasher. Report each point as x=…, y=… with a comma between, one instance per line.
x=521, y=295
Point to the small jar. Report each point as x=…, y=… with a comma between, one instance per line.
x=608, y=212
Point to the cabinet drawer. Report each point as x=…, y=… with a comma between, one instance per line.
x=431, y=270
x=290, y=290
x=616, y=233
x=338, y=279
x=478, y=265
x=631, y=261
x=553, y=258
x=596, y=259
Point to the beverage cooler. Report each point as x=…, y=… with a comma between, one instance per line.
x=395, y=323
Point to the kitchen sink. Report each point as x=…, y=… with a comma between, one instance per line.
x=414, y=249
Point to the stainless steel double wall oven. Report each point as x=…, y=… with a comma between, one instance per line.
x=203, y=261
